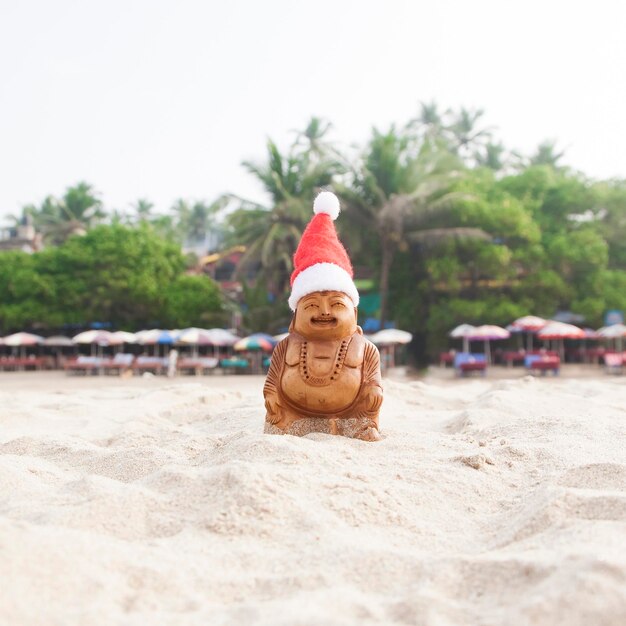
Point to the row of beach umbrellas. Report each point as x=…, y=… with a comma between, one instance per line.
x=546, y=330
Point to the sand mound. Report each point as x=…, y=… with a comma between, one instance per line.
x=136, y=502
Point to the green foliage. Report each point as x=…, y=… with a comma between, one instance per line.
x=192, y=301
x=127, y=276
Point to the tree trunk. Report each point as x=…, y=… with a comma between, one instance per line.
x=387, y=259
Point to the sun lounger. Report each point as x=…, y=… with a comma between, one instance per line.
x=542, y=363
x=613, y=362
x=121, y=362
x=446, y=358
x=154, y=364
x=83, y=364
x=22, y=363
x=198, y=365
x=465, y=362
x=234, y=365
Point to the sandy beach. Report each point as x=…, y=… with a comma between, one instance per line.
x=155, y=501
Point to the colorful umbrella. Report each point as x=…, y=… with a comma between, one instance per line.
x=528, y=324
x=560, y=330
x=258, y=341
x=157, y=336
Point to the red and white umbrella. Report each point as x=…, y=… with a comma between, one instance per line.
x=99, y=337
x=529, y=323
x=22, y=339
x=561, y=330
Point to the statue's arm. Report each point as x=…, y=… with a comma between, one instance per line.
x=272, y=381
x=372, y=379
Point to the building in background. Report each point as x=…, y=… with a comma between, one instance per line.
x=22, y=236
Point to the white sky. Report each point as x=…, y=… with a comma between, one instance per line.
x=164, y=99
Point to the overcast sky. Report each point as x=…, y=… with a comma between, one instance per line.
x=164, y=99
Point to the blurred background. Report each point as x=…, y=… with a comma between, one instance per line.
x=159, y=162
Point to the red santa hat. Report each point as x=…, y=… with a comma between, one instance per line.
x=321, y=263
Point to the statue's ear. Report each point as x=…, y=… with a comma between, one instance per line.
x=292, y=323
x=356, y=315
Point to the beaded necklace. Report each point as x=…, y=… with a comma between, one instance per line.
x=323, y=381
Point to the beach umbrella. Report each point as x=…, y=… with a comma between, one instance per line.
x=529, y=324
x=196, y=336
x=258, y=341
x=488, y=333
x=217, y=337
x=559, y=331
x=57, y=341
x=94, y=337
x=391, y=336
x=99, y=337
x=388, y=340
x=157, y=336
x=462, y=332
x=615, y=331
x=22, y=340
x=121, y=336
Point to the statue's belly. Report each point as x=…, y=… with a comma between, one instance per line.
x=334, y=397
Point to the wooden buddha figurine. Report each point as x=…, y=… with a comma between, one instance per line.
x=325, y=376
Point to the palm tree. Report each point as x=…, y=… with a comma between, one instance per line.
x=78, y=210
x=546, y=154
x=291, y=181
x=396, y=191
x=143, y=209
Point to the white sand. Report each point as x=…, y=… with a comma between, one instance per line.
x=148, y=502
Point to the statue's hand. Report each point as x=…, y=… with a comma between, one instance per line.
x=272, y=407
x=373, y=398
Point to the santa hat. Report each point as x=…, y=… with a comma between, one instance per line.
x=321, y=263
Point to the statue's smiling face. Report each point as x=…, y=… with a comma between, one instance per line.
x=325, y=315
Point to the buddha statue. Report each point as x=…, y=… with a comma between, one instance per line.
x=324, y=376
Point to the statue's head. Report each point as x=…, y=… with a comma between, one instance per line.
x=325, y=315
x=323, y=294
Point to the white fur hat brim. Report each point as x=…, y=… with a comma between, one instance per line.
x=322, y=277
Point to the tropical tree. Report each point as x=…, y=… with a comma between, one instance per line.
x=395, y=193
x=291, y=180
x=143, y=209
x=79, y=209
x=196, y=220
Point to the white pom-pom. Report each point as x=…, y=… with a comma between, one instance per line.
x=327, y=202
